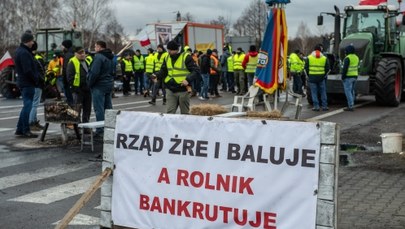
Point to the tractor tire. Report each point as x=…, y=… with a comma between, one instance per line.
x=8, y=90
x=388, y=82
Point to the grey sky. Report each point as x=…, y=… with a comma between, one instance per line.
x=134, y=14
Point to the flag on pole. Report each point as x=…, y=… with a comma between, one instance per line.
x=144, y=40
x=271, y=71
x=6, y=61
x=372, y=2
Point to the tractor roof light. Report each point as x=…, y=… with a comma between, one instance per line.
x=382, y=7
x=349, y=8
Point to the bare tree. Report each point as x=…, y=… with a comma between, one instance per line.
x=303, y=33
x=221, y=20
x=253, y=21
x=17, y=16
x=114, y=36
x=187, y=17
x=90, y=16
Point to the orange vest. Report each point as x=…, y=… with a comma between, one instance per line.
x=212, y=71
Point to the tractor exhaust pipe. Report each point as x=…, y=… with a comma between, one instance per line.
x=337, y=31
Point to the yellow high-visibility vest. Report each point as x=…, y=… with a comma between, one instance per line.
x=353, y=66
x=251, y=64
x=316, y=65
x=295, y=63
x=76, y=64
x=138, y=62
x=150, y=60
x=178, y=71
x=230, y=63
x=159, y=61
x=128, y=65
x=237, y=61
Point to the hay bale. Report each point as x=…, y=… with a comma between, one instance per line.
x=206, y=109
x=274, y=114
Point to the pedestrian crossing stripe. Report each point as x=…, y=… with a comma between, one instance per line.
x=27, y=177
x=81, y=219
x=57, y=193
x=27, y=158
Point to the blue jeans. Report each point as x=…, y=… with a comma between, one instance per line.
x=35, y=103
x=319, y=88
x=349, y=84
x=23, y=125
x=204, y=88
x=101, y=102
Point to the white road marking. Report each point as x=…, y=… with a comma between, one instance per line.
x=57, y=193
x=27, y=158
x=23, y=178
x=322, y=116
x=81, y=219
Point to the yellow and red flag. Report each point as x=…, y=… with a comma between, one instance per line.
x=271, y=71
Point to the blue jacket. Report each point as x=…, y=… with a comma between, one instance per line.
x=26, y=68
x=101, y=75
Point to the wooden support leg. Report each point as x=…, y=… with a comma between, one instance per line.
x=76, y=131
x=44, y=131
x=64, y=133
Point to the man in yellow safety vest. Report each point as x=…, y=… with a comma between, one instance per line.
x=76, y=73
x=177, y=71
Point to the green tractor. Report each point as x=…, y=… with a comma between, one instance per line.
x=375, y=33
x=49, y=42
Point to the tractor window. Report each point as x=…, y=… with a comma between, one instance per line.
x=53, y=38
x=366, y=21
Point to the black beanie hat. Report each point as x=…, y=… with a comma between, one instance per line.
x=172, y=45
x=67, y=44
x=27, y=37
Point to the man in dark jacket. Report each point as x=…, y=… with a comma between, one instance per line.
x=67, y=47
x=205, y=64
x=27, y=80
x=100, y=80
x=177, y=71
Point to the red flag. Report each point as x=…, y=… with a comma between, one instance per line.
x=6, y=61
x=372, y=2
x=144, y=40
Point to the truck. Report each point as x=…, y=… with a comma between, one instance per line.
x=197, y=36
x=49, y=41
x=243, y=42
x=376, y=33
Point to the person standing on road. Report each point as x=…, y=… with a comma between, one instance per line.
x=249, y=64
x=296, y=65
x=205, y=64
x=159, y=57
x=238, y=71
x=149, y=67
x=215, y=71
x=77, y=70
x=349, y=76
x=39, y=61
x=178, y=70
x=67, y=48
x=27, y=80
x=127, y=72
x=100, y=80
x=224, y=70
x=139, y=68
x=317, y=67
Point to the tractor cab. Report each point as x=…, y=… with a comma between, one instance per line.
x=50, y=39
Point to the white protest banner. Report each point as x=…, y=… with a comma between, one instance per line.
x=184, y=171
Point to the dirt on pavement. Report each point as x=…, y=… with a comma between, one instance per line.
x=362, y=143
